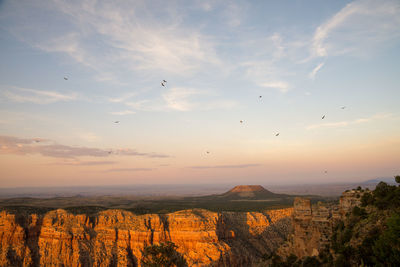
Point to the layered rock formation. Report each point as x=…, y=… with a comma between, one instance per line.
x=117, y=237
x=313, y=224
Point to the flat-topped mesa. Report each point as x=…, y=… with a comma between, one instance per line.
x=247, y=188
x=249, y=192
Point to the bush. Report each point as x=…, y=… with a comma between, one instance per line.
x=367, y=199
x=387, y=248
x=359, y=212
x=397, y=179
x=311, y=262
x=164, y=254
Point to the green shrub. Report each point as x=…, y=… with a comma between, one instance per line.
x=367, y=199
x=359, y=212
x=164, y=254
x=387, y=248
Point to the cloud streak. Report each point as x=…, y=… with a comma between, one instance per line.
x=122, y=113
x=314, y=72
x=134, y=38
x=27, y=95
x=360, y=24
x=280, y=85
x=348, y=123
x=26, y=146
x=129, y=170
x=238, y=166
x=85, y=163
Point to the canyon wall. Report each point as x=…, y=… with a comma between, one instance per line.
x=117, y=237
x=313, y=225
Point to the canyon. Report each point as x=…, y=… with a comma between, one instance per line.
x=313, y=225
x=117, y=237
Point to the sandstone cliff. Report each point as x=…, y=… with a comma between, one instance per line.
x=313, y=224
x=116, y=237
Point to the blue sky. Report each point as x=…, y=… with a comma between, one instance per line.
x=305, y=58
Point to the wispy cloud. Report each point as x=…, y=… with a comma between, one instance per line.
x=179, y=98
x=280, y=85
x=184, y=99
x=238, y=166
x=28, y=95
x=121, y=113
x=348, y=123
x=129, y=169
x=132, y=152
x=360, y=24
x=26, y=146
x=85, y=163
x=122, y=98
x=89, y=137
x=314, y=72
x=133, y=38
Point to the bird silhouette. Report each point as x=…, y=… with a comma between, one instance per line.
x=241, y=121
x=164, y=81
x=323, y=117
x=116, y=121
x=277, y=134
x=65, y=78
x=343, y=107
x=260, y=96
x=208, y=152
x=162, y=84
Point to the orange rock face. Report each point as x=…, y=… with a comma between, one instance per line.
x=313, y=224
x=116, y=237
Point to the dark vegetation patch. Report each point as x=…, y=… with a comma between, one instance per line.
x=368, y=236
x=93, y=205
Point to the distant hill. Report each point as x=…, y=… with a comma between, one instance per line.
x=250, y=192
x=388, y=180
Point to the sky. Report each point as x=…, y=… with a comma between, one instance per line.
x=81, y=99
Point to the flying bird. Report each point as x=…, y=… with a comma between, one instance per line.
x=260, y=96
x=37, y=140
x=208, y=152
x=323, y=117
x=65, y=78
x=326, y=171
x=277, y=134
x=116, y=121
x=163, y=82
x=343, y=107
x=241, y=121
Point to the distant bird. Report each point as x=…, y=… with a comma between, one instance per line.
x=163, y=82
x=323, y=117
x=343, y=107
x=37, y=140
x=326, y=171
x=241, y=121
x=116, y=121
x=208, y=152
x=66, y=78
x=109, y=152
x=277, y=134
x=260, y=96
